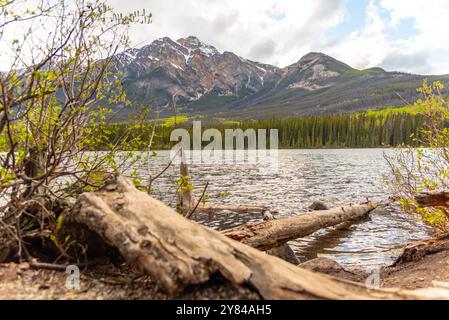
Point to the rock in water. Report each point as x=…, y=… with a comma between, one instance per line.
x=330, y=267
x=285, y=253
x=318, y=205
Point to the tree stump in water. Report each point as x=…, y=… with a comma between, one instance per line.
x=185, y=201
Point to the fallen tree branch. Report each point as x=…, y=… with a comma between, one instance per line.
x=49, y=266
x=265, y=235
x=176, y=252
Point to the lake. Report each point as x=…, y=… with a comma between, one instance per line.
x=335, y=176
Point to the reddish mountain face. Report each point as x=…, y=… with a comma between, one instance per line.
x=189, y=69
x=204, y=81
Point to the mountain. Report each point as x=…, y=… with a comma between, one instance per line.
x=204, y=81
x=190, y=69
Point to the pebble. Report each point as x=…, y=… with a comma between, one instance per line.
x=24, y=266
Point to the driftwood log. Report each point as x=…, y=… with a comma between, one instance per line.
x=265, y=235
x=433, y=199
x=177, y=252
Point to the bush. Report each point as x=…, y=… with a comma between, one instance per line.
x=426, y=167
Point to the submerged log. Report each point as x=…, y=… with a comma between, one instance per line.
x=240, y=208
x=265, y=235
x=176, y=252
x=433, y=199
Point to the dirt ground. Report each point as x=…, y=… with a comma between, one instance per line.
x=21, y=281
x=427, y=272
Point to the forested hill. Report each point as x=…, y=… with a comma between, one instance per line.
x=360, y=130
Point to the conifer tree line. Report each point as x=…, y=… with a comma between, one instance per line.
x=361, y=130
x=339, y=131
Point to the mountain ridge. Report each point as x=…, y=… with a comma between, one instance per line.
x=204, y=81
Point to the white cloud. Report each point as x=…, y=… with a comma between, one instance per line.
x=282, y=31
x=418, y=53
x=272, y=31
x=431, y=19
x=365, y=47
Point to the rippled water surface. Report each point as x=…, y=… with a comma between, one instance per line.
x=336, y=176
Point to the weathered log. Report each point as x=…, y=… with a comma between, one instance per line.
x=177, y=252
x=433, y=199
x=265, y=235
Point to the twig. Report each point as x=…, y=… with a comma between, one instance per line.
x=188, y=215
x=403, y=100
x=152, y=179
x=49, y=266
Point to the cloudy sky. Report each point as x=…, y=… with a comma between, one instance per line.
x=403, y=35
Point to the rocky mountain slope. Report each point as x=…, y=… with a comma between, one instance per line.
x=202, y=80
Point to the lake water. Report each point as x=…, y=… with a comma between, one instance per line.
x=335, y=176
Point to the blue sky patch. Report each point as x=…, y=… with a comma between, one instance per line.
x=355, y=19
x=278, y=16
x=404, y=30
